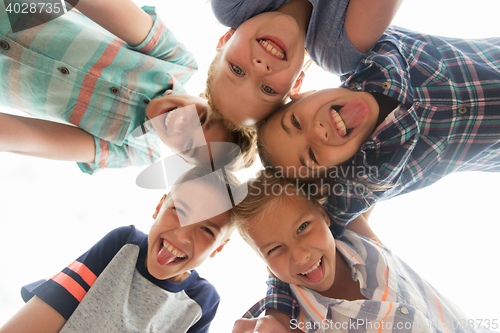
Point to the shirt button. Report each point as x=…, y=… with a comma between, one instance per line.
x=386, y=85
x=114, y=90
x=4, y=45
x=462, y=110
x=404, y=310
x=64, y=70
x=146, y=101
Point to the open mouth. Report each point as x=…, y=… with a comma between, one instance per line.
x=315, y=273
x=169, y=116
x=339, y=122
x=168, y=253
x=272, y=48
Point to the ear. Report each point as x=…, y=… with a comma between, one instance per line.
x=302, y=95
x=217, y=250
x=298, y=84
x=203, y=95
x=157, y=209
x=224, y=39
x=322, y=211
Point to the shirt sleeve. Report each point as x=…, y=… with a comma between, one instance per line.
x=205, y=294
x=162, y=44
x=344, y=207
x=109, y=155
x=233, y=13
x=65, y=290
x=279, y=296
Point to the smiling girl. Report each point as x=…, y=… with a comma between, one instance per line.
x=260, y=58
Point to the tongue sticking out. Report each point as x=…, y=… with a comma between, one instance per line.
x=316, y=275
x=353, y=113
x=165, y=257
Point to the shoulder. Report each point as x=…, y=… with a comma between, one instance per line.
x=232, y=13
x=202, y=291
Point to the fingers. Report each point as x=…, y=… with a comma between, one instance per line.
x=267, y=324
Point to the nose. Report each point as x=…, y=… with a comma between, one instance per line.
x=300, y=254
x=183, y=234
x=261, y=66
x=318, y=132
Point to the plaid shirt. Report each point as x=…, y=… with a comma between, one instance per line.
x=73, y=71
x=451, y=90
x=398, y=299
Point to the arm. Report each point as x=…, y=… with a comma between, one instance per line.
x=123, y=18
x=360, y=226
x=275, y=321
x=35, y=316
x=366, y=21
x=47, y=139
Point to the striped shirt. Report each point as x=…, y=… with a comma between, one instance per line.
x=451, y=90
x=73, y=71
x=398, y=299
x=109, y=289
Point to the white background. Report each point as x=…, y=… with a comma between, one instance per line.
x=50, y=212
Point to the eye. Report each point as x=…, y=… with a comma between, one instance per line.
x=268, y=90
x=236, y=70
x=179, y=210
x=210, y=232
x=189, y=146
x=203, y=118
x=295, y=122
x=302, y=227
x=273, y=249
x=312, y=156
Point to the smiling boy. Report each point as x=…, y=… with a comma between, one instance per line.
x=417, y=108
x=133, y=282
x=350, y=284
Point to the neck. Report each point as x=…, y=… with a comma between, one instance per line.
x=386, y=106
x=300, y=10
x=344, y=287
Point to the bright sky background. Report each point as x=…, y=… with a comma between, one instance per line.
x=51, y=213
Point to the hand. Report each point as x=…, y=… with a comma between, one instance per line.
x=267, y=324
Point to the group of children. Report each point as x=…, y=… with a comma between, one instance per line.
x=103, y=91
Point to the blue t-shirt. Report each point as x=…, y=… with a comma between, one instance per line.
x=109, y=289
x=326, y=41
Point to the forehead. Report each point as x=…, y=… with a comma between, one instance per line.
x=277, y=218
x=203, y=200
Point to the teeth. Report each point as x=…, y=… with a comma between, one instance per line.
x=339, y=122
x=173, y=250
x=168, y=117
x=275, y=52
x=312, y=268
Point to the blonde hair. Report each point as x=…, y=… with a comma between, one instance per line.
x=261, y=197
x=243, y=136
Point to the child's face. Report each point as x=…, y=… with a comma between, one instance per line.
x=250, y=81
x=311, y=133
x=181, y=123
x=296, y=244
x=185, y=233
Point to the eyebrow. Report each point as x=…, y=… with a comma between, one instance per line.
x=285, y=128
x=293, y=225
x=213, y=225
x=183, y=204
